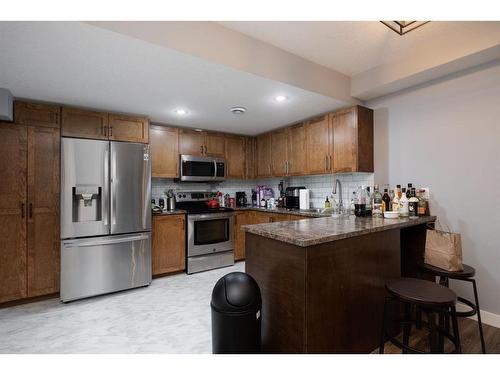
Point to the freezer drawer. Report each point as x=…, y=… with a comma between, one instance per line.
x=130, y=187
x=98, y=265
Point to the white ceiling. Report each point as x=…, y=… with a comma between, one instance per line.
x=79, y=64
x=357, y=46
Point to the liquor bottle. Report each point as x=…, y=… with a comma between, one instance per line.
x=398, y=191
x=352, y=204
x=403, y=204
x=395, y=202
x=386, y=199
x=413, y=204
x=369, y=200
x=409, y=191
x=377, y=206
x=360, y=202
x=422, y=204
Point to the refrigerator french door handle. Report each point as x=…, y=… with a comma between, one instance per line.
x=113, y=187
x=104, y=242
x=105, y=188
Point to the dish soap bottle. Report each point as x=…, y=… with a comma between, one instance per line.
x=328, y=204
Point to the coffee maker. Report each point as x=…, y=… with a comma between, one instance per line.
x=241, y=199
x=292, y=194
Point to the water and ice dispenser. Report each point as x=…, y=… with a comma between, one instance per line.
x=87, y=201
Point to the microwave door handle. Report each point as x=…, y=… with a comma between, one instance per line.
x=215, y=169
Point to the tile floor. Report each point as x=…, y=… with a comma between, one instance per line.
x=172, y=315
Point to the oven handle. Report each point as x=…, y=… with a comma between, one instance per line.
x=210, y=216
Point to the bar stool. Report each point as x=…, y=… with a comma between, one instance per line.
x=466, y=275
x=425, y=296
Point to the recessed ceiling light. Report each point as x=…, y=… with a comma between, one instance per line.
x=238, y=110
x=280, y=98
x=181, y=112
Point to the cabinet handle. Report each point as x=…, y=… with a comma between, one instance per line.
x=326, y=162
x=110, y=131
x=201, y=149
x=287, y=167
x=330, y=162
x=31, y=210
x=22, y=210
x=206, y=151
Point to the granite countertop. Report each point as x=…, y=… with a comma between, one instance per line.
x=285, y=211
x=326, y=229
x=173, y=212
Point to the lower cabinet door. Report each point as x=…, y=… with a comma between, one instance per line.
x=242, y=218
x=169, y=244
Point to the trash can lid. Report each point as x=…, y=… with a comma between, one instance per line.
x=236, y=292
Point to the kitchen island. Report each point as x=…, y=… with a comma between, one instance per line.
x=322, y=280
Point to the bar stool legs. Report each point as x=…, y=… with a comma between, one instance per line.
x=476, y=299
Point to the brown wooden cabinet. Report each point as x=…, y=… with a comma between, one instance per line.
x=215, y=145
x=128, y=128
x=191, y=142
x=263, y=157
x=29, y=210
x=241, y=218
x=352, y=134
x=13, y=166
x=297, y=156
x=84, y=123
x=235, y=156
x=164, y=151
x=279, y=152
x=318, y=145
x=250, y=172
x=168, y=249
x=43, y=211
x=47, y=115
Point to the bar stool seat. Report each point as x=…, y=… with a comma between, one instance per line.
x=421, y=292
x=424, y=296
x=466, y=275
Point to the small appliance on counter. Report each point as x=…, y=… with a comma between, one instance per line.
x=241, y=199
x=304, y=203
x=292, y=197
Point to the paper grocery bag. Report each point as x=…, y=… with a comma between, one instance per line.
x=444, y=250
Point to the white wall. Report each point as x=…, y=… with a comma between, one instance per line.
x=446, y=136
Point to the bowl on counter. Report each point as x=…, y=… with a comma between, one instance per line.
x=391, y=214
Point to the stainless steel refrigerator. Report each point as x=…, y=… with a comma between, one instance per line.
x=105, y=217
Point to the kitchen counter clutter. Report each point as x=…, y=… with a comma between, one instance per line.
x=171, y=212
x=285, y=211
x=320, y=230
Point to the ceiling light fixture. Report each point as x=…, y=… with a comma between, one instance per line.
x=181, y=112
x=238, y=110
x=403, y=27
x=280, y=98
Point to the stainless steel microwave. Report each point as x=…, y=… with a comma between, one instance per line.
x=202, y=168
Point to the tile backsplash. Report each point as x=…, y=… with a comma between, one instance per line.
x=320, y=186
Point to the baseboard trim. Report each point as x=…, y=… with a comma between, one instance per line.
x=486, y=316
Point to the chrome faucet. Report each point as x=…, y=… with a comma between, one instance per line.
x=339, y=185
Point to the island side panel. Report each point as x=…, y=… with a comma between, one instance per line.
x=413, y=249
x=279, y=269
x=346, y=291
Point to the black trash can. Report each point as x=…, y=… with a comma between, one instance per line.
x=236, y=322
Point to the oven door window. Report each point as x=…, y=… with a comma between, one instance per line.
x=198, y=168
x=208, y=232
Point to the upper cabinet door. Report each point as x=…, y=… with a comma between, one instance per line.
x=128, y=128
x=191, y=142
x=250, y=157
x=37, y=114
x=279, y=159
x=81, y=123
x=43, y=211
x=318, y=145
x=164, y=151
x=297, y=161
x=13, y=209
x=263, y=159
x=215, y=145
x=235, y=156
x=352, y=130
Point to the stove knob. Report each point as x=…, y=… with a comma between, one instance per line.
x=183, y=195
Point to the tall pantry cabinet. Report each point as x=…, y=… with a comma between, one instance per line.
x=29, y=202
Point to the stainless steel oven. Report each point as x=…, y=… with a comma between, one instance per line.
x=210, y=241
x=202, y=168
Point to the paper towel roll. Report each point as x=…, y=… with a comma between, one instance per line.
x=304, y=199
